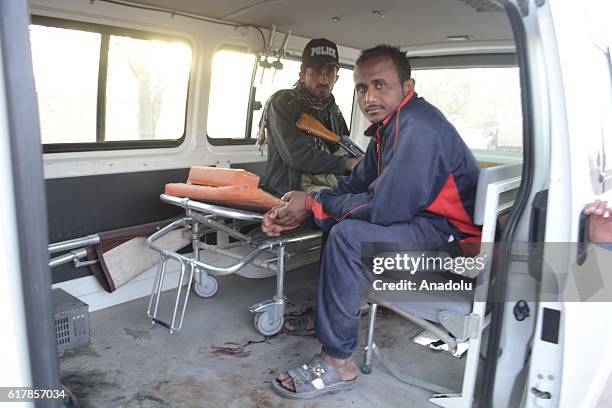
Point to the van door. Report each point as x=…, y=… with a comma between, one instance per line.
x=574, y=49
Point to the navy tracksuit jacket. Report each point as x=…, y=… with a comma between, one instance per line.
x=416, y=184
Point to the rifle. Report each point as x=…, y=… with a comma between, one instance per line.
x=311, y=125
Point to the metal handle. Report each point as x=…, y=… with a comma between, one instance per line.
x=74, y=243
x=69, y=257
x=583, y=239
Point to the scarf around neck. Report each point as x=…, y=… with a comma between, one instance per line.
x=319, y=108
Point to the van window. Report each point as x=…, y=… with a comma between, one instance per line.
x=230, y=87
x=103, y=87
x=228, y=116
x=484, y=104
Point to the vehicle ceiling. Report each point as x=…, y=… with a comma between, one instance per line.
x=407, y=23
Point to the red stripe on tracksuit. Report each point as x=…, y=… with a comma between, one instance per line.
x=317, y=209
x=449, y=204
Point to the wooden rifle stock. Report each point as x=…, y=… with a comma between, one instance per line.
x=311, y=125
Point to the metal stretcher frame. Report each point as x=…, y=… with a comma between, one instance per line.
x=269, y=313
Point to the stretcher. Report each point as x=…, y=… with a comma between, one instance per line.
x=239, y=247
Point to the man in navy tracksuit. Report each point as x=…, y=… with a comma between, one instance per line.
x=416, y=184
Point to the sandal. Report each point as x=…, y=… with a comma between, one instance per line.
x=314, y=379
x=299, y=325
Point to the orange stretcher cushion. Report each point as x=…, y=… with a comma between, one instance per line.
x=215, y=176
x=245, y=197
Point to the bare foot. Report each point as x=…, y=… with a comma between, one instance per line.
x=292, y=323
x=346, y=368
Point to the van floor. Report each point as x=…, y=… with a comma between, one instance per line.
x=218, y=359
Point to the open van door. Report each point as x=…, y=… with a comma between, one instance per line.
x=581, y=149
x=567, y=71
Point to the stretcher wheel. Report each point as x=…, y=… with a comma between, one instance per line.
x=263, y=325
x=206, y=289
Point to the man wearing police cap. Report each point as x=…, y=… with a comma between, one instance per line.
x=296, y=160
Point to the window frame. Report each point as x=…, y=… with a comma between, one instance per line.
x=247, y=139
x=106, y=31
x=467, y=61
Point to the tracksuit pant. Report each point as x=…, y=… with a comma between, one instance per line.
x=342, y=280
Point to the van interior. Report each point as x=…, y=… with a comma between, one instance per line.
x=132, y=94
